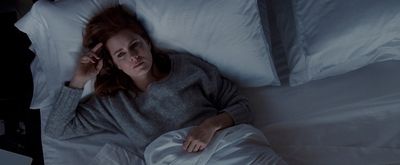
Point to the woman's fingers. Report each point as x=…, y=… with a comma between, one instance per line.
x=90, y=64
x=186, y=144
x=90, y=57
x=201, y=148
x=96, y=64
x=96, y=49
x=93, y=55
x=191, y=147
x=189, y=144
x=196, y=148
x=197, y=140
x=86, y=59
x=99, y=65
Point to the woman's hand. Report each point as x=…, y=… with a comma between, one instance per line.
x=199, y=137
x=89, y=66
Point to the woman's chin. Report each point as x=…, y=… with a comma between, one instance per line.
x=139, y=72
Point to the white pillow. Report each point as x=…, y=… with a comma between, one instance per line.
x=226, y=33
x=331, y=37
x=55, y=29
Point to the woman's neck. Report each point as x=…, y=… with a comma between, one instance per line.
x=153, y=75
x=143, y=83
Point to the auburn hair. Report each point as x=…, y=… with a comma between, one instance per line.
x=102, y=27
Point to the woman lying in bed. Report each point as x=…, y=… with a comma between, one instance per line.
x=143, y=92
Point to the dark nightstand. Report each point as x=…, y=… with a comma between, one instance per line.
x=22, y=125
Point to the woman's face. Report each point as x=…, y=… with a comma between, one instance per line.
x=131, y=53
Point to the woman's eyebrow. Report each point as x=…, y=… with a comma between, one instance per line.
x=130, y=42
x=116, y=52
x=133, y=40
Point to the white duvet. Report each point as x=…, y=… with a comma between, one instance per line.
x=242, y=145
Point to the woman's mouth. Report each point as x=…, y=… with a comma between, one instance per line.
x=138, y=64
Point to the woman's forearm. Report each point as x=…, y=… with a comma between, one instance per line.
x=62, y=113
x=77, y=83
x=219, y=122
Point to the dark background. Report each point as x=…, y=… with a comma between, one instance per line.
x=22, y=125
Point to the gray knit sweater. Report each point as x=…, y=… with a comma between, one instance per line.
x=193, y=91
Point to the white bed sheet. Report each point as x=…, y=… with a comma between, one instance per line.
x=347, y=119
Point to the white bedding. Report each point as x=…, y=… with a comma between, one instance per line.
x=352, y=118
x=241, y=145
x=347, y=119
x=237, y=145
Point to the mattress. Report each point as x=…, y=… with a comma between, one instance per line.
x=347, y=119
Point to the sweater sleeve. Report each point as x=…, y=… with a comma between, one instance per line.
x=224, y=94
x=70, y=119
x=229, y=100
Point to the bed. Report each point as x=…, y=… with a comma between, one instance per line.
x=321, y=76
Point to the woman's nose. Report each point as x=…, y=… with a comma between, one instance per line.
x=134, y=57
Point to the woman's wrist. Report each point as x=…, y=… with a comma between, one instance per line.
x=77, y=82
x=218, y=122
x=210, y=123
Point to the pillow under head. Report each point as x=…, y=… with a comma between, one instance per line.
x=226, y=33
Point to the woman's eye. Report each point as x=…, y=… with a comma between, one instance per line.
x=135, y=45
x=120, y=55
